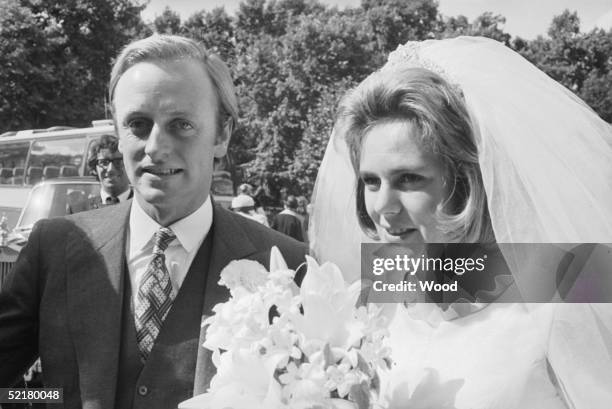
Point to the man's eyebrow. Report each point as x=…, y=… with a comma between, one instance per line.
x=130, y=114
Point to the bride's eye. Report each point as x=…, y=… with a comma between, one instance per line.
x=371, y=182
x=411, y=180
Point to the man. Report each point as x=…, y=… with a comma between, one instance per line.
x=105, y=162
x=112, y=299
x=244, y=205
x=289, y=221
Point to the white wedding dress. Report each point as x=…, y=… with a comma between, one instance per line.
x=546, y=162
x=502, y=356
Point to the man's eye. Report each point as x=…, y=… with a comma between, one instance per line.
x=182, y=125
x=141, y=128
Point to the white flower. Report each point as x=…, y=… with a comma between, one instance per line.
x=244, y=380
x=329, y=307
x=247, y=274
x=342, y=377
x=279, y=347
x=304, y=385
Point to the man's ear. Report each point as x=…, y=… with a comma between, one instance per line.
x=119, y=144
x=222, y=141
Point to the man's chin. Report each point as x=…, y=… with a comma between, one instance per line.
x=156, y=197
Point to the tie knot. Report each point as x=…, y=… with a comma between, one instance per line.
x=163, y=237
x=112, y=200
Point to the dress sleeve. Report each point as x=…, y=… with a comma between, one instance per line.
x=580, y=354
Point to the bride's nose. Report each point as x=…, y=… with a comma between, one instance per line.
x=387, y=201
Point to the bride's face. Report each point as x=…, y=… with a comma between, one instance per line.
x=403, y=183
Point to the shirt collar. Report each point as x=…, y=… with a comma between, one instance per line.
x=122, y=197
x=190, y=231
x=291, y=212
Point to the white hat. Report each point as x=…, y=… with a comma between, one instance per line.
x=242, y=201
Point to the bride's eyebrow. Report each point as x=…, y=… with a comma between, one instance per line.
x=409, y=169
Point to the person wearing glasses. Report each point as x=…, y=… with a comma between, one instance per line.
x=106, y=164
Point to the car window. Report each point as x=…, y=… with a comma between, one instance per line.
x=51, y=200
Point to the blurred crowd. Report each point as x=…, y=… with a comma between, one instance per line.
x=292, y=220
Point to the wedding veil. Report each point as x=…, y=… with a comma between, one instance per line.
x=546, y=163
x=545, y=156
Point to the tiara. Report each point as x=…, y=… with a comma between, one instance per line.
x=411, y=55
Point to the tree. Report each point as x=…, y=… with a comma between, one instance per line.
x=215, y=29
x=490, y=25
x=169, y=22
x=396, y=21
x=485, y=25
x=564, y=26
x=284, y=79
x=56, y=58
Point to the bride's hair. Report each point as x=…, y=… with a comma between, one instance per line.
x=437, y=108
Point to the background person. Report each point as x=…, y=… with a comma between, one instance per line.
x=105, y=162
x=244, y=205
x=288, y=221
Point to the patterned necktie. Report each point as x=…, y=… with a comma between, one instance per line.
x=155, y=295
x=112, y=200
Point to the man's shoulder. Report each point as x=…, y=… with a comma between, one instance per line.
x=88, y=223
x=287, y=217
x=264, y=237
x=110, y=214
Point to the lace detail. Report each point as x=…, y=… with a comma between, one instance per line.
x=411, y=55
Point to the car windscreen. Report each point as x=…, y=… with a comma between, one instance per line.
x=51, y=200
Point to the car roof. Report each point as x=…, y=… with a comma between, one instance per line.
x=69, y=181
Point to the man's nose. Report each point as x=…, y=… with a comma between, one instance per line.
x=157, y=145
x=387, y=201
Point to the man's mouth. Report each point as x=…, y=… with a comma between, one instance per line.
x=161, y=171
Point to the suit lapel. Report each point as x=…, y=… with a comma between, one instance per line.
x=230, y=242
x=95, y=285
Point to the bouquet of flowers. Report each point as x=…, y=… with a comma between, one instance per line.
x=277, y=346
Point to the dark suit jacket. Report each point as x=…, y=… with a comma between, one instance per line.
x=289, y=225
x=63, y=299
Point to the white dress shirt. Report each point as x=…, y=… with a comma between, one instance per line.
x=190, y=234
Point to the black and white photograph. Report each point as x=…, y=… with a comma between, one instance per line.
x=306, y=204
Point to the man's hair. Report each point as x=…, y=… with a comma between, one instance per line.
x=438, y=111
x=161, y=47
x=105, y=141
x=291, y=202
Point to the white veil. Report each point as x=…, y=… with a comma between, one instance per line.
x=546, y=162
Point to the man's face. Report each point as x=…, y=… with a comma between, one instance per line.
x=166, y=115
x=111, y=173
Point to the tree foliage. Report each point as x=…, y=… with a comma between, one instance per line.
x=55, y=58
x=292, y=61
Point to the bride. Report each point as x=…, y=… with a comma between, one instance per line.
x=464, y=141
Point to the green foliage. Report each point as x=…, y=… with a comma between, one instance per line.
x=169, y=22
x=579, y=61
x=394, y=22
x=486, y=25
x=55, y=58
x=215, y=29
x=292, y=61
